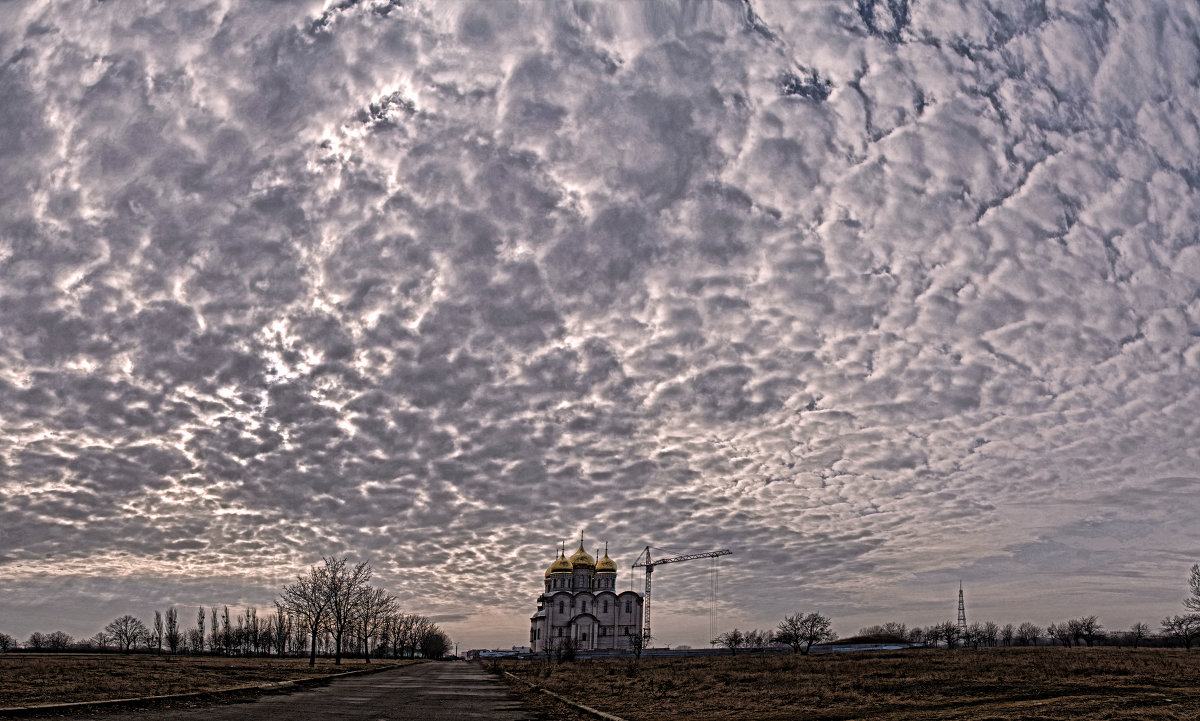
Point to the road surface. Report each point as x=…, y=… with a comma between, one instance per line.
x=433, y=691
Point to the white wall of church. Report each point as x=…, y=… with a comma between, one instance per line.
x=583, y=605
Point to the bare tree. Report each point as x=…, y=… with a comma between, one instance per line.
x=266, y=636
x=1028, y=633
x=950, y=633
x=281, y=629
x=126, y=631
x=990, y=633
x=1087, y=628
x=101, y=640
x=343, y=584
x=424, y=628
x=374, y=606
x=173, y=636
x=564, y=649
x=933, y=635
x=891, y=628
x=251, y=631
x=214, y=632
x=759, y=639
x=1007, y=634
x=299, y=634
x=916, y=634
x=1138, y=633
x=404, y=632
x=637, y=642
x=1192, y=602
x=308, y=600
x=974, y=635
x=1076, y=630
x=59, y=641
x=36, y=641
x=801, y=631
x=1062, y=632
x=199, y=648
x=732, y=640
x=157, y=633
x=226, y=630
x=435, y=644
x=7, y=643
x=1184, y=629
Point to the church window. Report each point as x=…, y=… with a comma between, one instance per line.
x=628, y=607
x=560, y=633
x=560, y=607
x=605, y=606
x=584, y=607
x=604, y=630
x=583, y=637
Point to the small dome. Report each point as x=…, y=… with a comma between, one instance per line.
x=581, y=558
x=560, y=565
x=606, y=565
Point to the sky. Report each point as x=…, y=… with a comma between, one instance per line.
x=880, y=296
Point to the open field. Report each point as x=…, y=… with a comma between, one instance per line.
x=993, y=684
x=27, y=679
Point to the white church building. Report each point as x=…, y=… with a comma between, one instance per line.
x=580, y=602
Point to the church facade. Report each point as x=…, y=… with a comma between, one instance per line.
x=580, y=603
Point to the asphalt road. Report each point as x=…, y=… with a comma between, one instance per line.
x=433, y=691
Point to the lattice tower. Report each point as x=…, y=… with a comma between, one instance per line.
x=962, y=611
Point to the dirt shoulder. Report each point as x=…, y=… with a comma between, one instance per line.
x=991, y=684
x=541, y=706
x=35, y=679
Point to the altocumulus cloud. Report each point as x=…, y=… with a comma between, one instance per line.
x=881, y=295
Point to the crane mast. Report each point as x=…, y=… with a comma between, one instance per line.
x=644, y=560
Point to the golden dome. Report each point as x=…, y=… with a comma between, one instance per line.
x=581, y=557
x=560, y=565
x=606, y=564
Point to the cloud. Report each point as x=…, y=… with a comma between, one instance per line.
x=862, y=291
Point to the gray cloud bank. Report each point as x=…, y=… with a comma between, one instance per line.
x=880, y=295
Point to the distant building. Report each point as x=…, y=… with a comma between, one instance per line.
x=580, y=602
x=477, y=653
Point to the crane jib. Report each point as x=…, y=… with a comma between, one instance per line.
x=676, y=559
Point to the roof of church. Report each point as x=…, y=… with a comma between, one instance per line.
x=560, y=565
x=582, y=557
x=606, y=564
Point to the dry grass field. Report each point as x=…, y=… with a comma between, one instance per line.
x=28, y=679
x=992, y=684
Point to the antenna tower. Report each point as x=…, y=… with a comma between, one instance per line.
x=962, y=611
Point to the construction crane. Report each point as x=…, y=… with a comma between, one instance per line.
x=644, y=560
